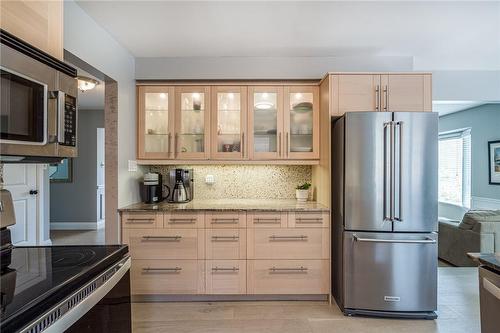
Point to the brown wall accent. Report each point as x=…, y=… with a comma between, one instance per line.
x=111, y=161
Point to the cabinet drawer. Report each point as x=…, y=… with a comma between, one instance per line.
x=225, y=220
x=266, y=220
x=288, y=243
x=226, y=243
x=165, y=243
x=287, y=276
x=150, y=277
x=142, y=220
x=308, y=219
x=226, y=276
x=191, y=220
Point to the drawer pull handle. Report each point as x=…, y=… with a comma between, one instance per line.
x=163, y=269
x=309, y=220
x=225, y=269
x=267, y=220
x=225, y=221
x=293, y=238
x=137, y=220
x=181, y=221
x=167, y=238
x=300, y=269
x=225, y=238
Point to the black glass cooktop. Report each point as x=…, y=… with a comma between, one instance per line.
x=40, y=277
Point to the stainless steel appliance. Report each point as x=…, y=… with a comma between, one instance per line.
x=180, y=185
x=384, y=213
x=152, y=187
x=38, y=107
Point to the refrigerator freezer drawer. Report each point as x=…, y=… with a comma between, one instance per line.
x=390, y=271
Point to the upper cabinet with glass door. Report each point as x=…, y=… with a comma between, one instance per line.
x=155, y=120
x=229, y=120
x=265, y=123
x=192, y=119
x=301, y=122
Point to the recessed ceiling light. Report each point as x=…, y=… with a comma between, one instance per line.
x=196, y=96
x=264, y=105
x=163, y=95
x=230, y=96
x=298, y=96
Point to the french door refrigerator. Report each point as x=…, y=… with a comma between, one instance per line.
x=384, y=209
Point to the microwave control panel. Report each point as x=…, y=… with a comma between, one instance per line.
x=70, y=122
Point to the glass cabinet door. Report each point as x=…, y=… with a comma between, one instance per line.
x=228, y=122
x=192, y=122
x=301, y=122
x=155, y=122
x=266, y=122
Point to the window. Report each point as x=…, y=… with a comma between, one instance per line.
x=455, y=167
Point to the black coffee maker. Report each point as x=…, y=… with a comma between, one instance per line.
x=152, y=188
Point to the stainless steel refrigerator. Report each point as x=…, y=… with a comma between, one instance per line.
x=384, y=213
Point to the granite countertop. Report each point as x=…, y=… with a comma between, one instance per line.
x=230, y=204
x=491, y=260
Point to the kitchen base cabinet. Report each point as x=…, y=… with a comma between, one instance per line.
x=226, y=277
x=150, y=277
x=226, y=243
x=288, y=277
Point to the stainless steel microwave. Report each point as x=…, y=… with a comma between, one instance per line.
x=38, y=106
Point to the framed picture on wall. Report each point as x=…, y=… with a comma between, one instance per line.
x=62, y=172
x=494, y=161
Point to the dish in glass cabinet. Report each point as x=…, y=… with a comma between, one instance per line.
x=303, y=107
x=302, y=149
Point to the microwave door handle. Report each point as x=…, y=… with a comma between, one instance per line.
x=61, y=100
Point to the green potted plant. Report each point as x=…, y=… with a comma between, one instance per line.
x=302, y=192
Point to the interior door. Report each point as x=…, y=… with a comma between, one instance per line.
x=21, y=181
x=406, y=92
x=390, y=272
x=365, y=165
x=355, y=92
x=416, y=178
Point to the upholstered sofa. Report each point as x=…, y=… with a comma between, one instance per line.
x=477, y=231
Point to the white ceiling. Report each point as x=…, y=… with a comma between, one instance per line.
x=440, y=35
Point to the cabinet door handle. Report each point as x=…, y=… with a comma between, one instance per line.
x=140, y=220
x=182, y=221
x=162, y=269
x=300, y=269
x=267, y=220
x=225, y=238
x=225, y=269
x=377, y=98
x=279, y=144
x=169, y=138
x=288, y=238
x=386, y=95
x=176, y=143
x=166, y=238
x=311, y=220
x=225, y=221
x=242, y=144
x=287, y=144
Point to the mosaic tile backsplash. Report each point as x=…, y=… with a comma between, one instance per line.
x=244, y=181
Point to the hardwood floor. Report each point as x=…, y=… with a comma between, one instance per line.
x=458, y=310
x=77, y=237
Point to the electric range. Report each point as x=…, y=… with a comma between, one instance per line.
x=66, y=288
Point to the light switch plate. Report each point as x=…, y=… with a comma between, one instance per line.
x=209, y=179
x=132, y=165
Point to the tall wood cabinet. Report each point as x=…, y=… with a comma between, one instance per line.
x=39, y=23
x=380, y=92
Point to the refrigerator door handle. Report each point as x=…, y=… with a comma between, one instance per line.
x=427, y=240
x=387, y=171
x=399, y=217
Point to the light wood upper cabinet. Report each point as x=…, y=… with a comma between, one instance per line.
x=401, y=92
x=229, y=123
x=265, y=119
x=301, y=122
x=351, y=93
x=380, y=92
x=39, y=23
x=155, y=122
x=192, y=122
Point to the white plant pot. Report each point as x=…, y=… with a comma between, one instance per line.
x=302, y=195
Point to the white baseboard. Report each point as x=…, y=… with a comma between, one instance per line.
x=47, y=242
x=485, y=203
x=74, y=225
x=100, y=224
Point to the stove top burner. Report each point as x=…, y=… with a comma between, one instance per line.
x=71, y=258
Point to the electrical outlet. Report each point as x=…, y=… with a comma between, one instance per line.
x=209, y=179
x=132, y=165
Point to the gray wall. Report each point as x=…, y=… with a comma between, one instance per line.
x=484, y=122
x=76, y=201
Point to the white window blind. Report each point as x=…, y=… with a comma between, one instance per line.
x=455, y=167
